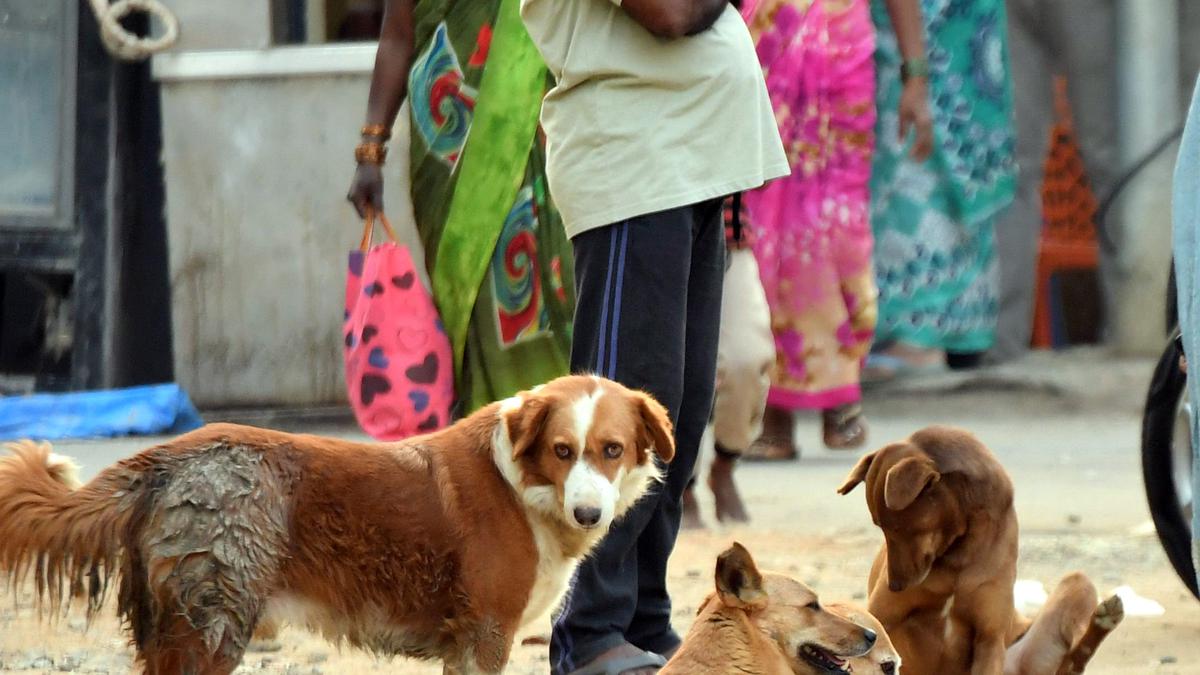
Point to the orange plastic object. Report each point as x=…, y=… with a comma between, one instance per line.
x=1068, y=239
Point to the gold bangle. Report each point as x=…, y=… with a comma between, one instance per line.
x=377, y=131
x=370, y=153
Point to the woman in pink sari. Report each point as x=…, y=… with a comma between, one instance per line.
x=812, y=230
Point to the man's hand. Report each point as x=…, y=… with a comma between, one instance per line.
x=914, y=115
x=675, y=18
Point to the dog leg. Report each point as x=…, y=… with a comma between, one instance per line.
x=467, y=665
x=266, y=636
x=177, y=648
x=1108, y=615
x=484, y=645
x=1061, y=623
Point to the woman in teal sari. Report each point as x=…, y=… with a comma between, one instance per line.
x=935, y=261
x=495, y=250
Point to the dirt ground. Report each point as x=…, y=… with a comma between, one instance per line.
x=1071, y=446
x=835, y=564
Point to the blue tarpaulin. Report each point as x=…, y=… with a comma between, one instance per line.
x=157, y=409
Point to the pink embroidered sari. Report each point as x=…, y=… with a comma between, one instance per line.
x=812, y=229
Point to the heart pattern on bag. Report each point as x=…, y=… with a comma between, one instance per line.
x=420, y=400
x=377, y=358
x=372, y=386
x=429, y=424
x=412, y=339
x=398, y=358
x=426, y=372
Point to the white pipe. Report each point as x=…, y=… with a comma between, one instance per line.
x=1149, y=108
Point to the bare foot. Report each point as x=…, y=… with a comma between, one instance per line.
x=626, y=652
x=720, y=480
x=691, y=511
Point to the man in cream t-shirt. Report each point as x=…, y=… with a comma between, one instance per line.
x=659, y=112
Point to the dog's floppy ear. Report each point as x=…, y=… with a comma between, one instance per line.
x=739, y=583
x=525, y=423
x=659, y=433
x=907, y=480
x=858, y=474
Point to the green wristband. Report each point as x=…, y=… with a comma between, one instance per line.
x=914, y=68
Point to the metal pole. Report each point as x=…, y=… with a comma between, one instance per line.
x=1149, y=108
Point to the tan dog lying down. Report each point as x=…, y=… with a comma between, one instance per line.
x=942, y=584
x=883, y=659
x=766, y=624
x=438, y=547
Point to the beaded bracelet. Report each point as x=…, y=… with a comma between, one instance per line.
x=370, y=153
x=377, y=131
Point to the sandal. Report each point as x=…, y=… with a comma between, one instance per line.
x=775, y=444
x=844, y=427
x=622, y=664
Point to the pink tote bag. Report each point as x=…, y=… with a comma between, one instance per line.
x=399, y=371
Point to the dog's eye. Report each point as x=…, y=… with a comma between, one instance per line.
x=613, y=451
x=814, y=606
x=562, y=451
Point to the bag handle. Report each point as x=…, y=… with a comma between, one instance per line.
x=369, y=229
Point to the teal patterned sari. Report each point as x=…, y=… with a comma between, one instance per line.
x=935, y=261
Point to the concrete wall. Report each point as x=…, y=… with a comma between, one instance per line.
x=258, y=158
x=222, y=24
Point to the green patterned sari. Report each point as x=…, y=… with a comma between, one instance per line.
x=495, y=248
x=935, y=262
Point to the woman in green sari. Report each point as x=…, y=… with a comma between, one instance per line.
x=935, y=262
x=496, y=252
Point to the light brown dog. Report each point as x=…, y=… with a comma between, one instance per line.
x=883, y=659
x=1066, y=633
x=765, y=624
x=942, y=584
x=437, y=547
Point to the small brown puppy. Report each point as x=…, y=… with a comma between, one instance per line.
x=942, y=584
x=766, y=624
x=883, y=659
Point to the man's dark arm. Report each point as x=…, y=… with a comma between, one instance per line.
x=675, y=18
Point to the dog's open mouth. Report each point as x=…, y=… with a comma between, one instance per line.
x=823, y=659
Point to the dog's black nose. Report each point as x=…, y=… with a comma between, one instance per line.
x=870, y=636
x=587, y=516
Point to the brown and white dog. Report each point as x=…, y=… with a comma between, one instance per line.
x=766, y=624
x=440, y=546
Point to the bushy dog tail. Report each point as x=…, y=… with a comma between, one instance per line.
x=66, y=535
